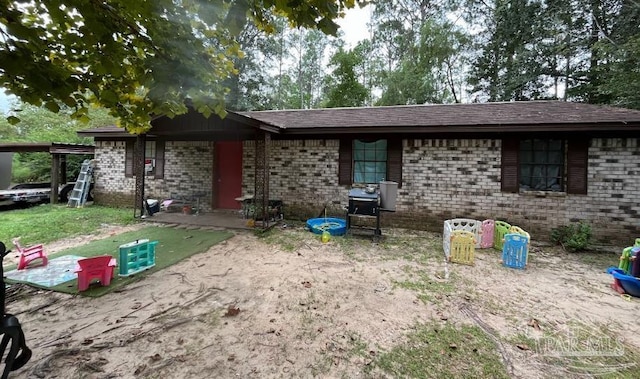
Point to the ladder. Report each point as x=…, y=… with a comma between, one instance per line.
x=78, y=195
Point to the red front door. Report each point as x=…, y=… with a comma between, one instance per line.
x=228, y=173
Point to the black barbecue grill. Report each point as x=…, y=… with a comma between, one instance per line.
x=364, y=204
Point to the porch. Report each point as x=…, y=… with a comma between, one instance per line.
x=228, y=219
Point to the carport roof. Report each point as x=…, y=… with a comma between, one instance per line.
x=46, y=147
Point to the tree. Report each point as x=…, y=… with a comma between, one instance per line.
x=620, y=73
x=345, y=90
x=135, y=58
x=424, y=53
x=508, y=66
x=39, y=124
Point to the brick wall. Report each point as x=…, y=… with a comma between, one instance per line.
x=461, y=178
x=300, y=171
x=441, y=179
x=188, y=171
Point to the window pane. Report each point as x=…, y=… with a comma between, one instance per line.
x=370, y=155
x=358, y=172
x=542, y=165
x=555, y=145
x=556, y=157
x=369, y=161
x=539, y=145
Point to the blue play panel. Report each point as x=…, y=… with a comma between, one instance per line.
x=57, y=271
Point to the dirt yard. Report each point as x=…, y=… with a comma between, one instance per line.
x=285, y=305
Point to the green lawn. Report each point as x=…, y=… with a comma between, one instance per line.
x=46, y=223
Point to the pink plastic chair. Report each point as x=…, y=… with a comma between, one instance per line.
x=100, y=268
x=28, y=254
x=488, y=226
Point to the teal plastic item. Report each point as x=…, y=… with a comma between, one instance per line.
x=136, y=256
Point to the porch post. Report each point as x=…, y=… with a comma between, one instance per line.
x=63, y=168
x=261, y=194
x=138, y=171
x=55, y=178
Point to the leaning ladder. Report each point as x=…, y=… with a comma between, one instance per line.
x=80, y=190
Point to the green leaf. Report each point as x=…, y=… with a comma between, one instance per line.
x=13, y=120
x=52, y=106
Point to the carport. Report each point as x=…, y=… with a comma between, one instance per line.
x=58, y=151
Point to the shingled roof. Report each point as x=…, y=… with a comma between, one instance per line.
x=522, y=116
x=536, y=115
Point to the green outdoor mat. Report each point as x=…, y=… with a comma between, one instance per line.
x=173, y=246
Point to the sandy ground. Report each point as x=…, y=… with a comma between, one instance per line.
x=250, y=308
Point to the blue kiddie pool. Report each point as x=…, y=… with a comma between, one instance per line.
x=335, y=226
x=630, y=284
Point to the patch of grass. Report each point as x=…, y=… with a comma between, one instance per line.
x=598, y=260
x=418, y=248
x=429, y=289
x=398, y=246
x=46, y=223
x=443, y=351
x=350, y=244
x=287, y=240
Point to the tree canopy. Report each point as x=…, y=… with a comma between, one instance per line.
x=144, y=58
x=136, y=58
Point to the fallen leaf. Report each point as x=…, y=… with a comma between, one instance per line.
x=140, y=369
x=232, y=311
x=534, y=324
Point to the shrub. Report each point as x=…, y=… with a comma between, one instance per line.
x=572, y=238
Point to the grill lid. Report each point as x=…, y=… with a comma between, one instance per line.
x=362, y=194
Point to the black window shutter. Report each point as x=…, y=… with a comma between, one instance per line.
x=510, y=165
x=345, y=161
x=128, y=158
x=577, y=166
x=394, y=161
x=159, y=174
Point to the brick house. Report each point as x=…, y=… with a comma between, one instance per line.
x=538, y=164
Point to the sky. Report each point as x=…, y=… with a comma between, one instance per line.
x=353, y=25
x=4, y=101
